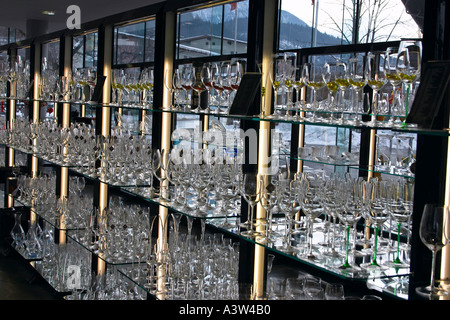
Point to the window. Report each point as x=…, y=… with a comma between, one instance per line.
x=85, y=50
x=134, y=43
x=331, y=22
x=213, y=31
x=50, y=53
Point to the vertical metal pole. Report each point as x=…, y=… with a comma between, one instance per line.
x=267, y=10
x=65, y=63
x=103, y=122
x=11, y=117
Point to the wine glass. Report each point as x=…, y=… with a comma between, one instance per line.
x=276, y=78
x=225, y=75
x=352, y=213
x=408, y=68
x=289, y=201
x=357, y=81
x=251, y=193
x=399, y=195
x=312, y=206
x=207, y=80
x=329, y=77
x=434, y=235
x=342, y=81
x=169, y=84
x=216, y=78
x=186, y=83
x=91, y=78
x=313, y=80
x=298, y=84
x=377, y=214
x=376, y=79
x=392, y=77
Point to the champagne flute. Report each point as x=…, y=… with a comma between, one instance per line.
x=434, y=235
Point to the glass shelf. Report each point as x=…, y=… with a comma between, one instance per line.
x=145, y=193
x=322, y=261
x=379, y=125
x=42, y=210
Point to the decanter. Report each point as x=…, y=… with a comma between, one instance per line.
x=33, y=243
x=17, y=233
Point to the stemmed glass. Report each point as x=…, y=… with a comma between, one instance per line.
x=197, y=86
x=207, y=80
x=408, y=68
x=91, y=79
x=178, y=89
x=377, y=214
x=357, y=81
x=313, y=80
x=329, y=77
x=393, y=79
x=298, y=84
x=376, y=79
x=399, y=194
x=269, y=201
x=216, y=78
x=353, y=207
x=276, y=78
x=312, y=206
x=186, y=83
x=252, y=194
x=225, y=75
x=434, y=233
x=169, y=84
x=289, y=201
x=342, y=81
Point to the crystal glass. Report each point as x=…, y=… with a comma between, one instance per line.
x=251, y=193
x=434, y=233
x=376, y=79
x=357, y=81
x=312, y=77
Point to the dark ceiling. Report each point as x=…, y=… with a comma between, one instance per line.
x=27, y=16
x=20, y=12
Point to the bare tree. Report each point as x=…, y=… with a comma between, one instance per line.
x=376, y=20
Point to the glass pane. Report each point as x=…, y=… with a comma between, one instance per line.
x=200, y=33
x=330, y=22
x=90, y=58
x=150, y=41
x=235, y=29
x=130, y=43
x=50, y=51
x=4, y=35
x=78, y=52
